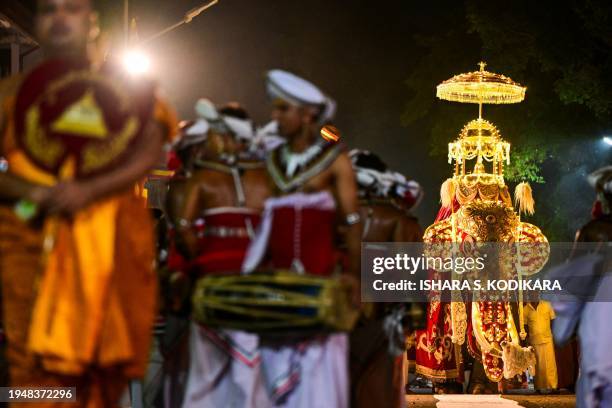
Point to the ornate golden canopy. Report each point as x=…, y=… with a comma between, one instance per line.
x=479, y=140
x=481, y=87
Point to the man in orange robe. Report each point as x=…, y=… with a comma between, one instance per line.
x=77, y=278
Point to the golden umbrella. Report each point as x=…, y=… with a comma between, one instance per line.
x=481, y=87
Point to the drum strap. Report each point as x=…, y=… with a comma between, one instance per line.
x=235, y=170
x=238, y=186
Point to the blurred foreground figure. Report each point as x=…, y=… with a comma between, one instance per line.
x=599, y=229
x=76, y=245
x=588, y=277
x=589, y=321
x=315, y=191
x=378, y=355
x=214, y=210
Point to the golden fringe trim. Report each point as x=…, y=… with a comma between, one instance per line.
x=433, y=374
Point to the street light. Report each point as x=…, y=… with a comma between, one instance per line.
x=136, y=62
x=607, y=140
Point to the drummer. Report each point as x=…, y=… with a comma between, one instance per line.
x=215, y=211
x=315, y=189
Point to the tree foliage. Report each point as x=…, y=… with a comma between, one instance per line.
x=562, y=52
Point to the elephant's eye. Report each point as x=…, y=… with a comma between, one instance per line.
x=490, y=219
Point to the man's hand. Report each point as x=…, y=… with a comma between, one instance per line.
x=40, y=195
x=14, y=188
x=179, y=291
x=67, y=198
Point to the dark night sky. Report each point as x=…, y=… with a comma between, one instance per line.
x=358, y=52
x=361, y=53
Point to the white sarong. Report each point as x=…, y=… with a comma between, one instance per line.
x=311, y=374
x=224, y=370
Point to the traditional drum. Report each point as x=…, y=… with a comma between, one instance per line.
x=274, y=303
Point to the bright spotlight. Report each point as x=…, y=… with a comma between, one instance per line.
x=607, y=140
x=136, y=62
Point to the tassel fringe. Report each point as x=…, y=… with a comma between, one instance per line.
x=523, y=198
x=447, y=192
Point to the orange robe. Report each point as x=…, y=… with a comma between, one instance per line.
x=79, y=295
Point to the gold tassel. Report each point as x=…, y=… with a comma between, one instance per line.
x=447, y=192
x=522, y=332
x=523, y=198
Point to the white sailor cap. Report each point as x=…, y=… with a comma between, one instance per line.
x=241, y=128
x=198, y=130
x=299, y=92
x=192, y=134
x=373, y=175
x=601, y=179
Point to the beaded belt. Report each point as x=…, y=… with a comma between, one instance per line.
x=226, y=232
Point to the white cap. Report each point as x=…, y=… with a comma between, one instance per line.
x=300, y=92
x=383, y=181
x=205, y=109
x=192, y=135
x=241, y=128
x=601, y=179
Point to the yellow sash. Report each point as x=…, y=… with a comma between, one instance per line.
x=76, y=301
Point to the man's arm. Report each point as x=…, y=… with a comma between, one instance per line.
x=13, y=188
x=183, y=204
x=69, y=197
x=346, y=192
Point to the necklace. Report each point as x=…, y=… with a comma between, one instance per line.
x=294, y=161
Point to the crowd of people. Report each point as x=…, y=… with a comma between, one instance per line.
x=279, y=198
x=86, y=274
